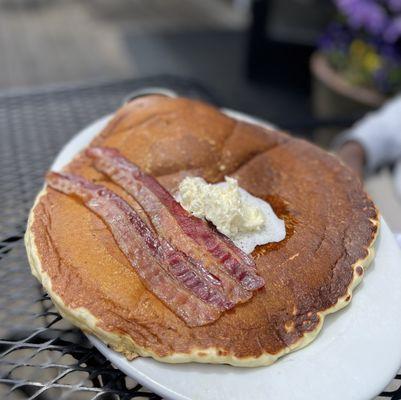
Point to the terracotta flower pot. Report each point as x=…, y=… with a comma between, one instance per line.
x=334, y=97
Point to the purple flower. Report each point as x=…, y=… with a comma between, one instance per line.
x=345, y=5
x=377, y=24
x=364, y=14
x=393, y=31
x=394, y=5
x=389, y=51
x=337, y=36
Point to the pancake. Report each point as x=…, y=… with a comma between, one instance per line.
x=331, y=227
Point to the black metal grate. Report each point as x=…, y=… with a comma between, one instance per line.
x=42, y=356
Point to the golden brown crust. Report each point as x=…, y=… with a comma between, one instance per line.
x=331, y=226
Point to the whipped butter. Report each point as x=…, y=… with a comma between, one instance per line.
x=222, y=205
x=247, y=220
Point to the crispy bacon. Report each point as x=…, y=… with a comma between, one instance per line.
x=166, y=225
x=189, y=291
x=150, y=194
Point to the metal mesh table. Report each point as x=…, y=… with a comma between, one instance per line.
x=42, y=356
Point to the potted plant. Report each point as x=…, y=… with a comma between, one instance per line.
x=357, y=65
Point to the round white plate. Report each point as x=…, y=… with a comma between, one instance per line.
x=357, y=353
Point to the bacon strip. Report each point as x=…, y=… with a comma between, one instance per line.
x=144, y=188
x=199, y=301
x=167, y=226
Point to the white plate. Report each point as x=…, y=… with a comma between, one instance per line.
x=357, y=353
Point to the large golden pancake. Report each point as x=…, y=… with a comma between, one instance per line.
x=331, y=226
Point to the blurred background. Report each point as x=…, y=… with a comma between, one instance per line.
x=309, y=66
x=312, y=67
x=253, y=55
